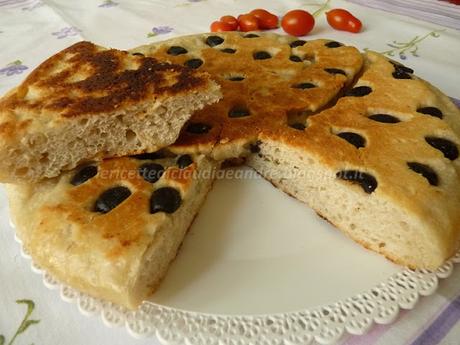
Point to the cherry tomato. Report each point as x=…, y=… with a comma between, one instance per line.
x=248, y=22
x=297, y=22
x=266, y=19
x=259, y=13
x=341, y=19
x=230, y=20
x=218, y=26
x=270, y=22
x=456, y=2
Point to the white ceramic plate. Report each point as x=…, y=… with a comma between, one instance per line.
x=260, y=267
x=255, y=250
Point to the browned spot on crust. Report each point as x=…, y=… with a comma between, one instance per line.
x=322, y=217
x=87, y=79
x=234, y=162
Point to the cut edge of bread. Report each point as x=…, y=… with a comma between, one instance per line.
x=163, y=250
x=373, y=221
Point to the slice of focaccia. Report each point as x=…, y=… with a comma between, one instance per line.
x=112, y=228
x=382, y=165
x=87, y=102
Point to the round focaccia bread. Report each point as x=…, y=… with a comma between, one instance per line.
x=361, y=139
x=112, y=228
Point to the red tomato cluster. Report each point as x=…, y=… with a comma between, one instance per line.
x=295, y=22
x=258, y=19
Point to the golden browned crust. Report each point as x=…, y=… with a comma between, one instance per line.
x=75, y=204
x=267, y=91
x=88, y=79
x=103, y=253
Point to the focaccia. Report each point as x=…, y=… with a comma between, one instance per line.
x=361, y=139
x=112, y=228
x=87, y=102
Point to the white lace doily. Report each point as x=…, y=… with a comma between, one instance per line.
x=324, y=325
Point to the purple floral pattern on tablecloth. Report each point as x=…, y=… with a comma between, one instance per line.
x=160, y=30
x=108, y=3
x=66, y=32
x=13, y=68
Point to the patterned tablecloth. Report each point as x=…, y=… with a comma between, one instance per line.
x=32, y=30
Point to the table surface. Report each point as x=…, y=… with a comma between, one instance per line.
x=32, y=30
